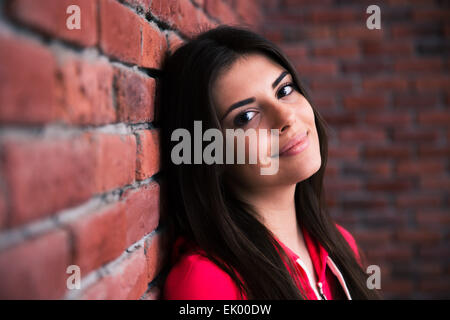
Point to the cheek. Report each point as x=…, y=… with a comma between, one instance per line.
x=255, y=156
x=254, y=148
x=305, y=111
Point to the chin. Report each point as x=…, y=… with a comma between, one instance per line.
x=303, y=169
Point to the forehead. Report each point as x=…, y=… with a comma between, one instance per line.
x=246, y=77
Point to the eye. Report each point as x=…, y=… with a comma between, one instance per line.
x=285, y=90
x=243, y=118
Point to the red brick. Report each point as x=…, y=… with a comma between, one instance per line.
x=199, y=3
x=154, y=46
x=275, y=36
x=135, y=96
x=417, y=236
x=434, y=118
x=422, y=65
x=420, y=167
x=98, y=237
x=349, y=219
x=434, y=252
x=372, y=237
x=382, y=217
x=126, y=280
x=121, y=30
x=166, y=10
x=3, y=207
x=115, y=160
x=335, y=16
x=415, y=135
x=354, y=201
x=408, y=2
x=148, y=153
x=174, y=41
x=392, y=151
x=182, y=15
x=430, y=269
x=434, y=151
x=86, y=91
x=50, y=17
x=315, y=32
x=144, y=4
x=340, y=118
x=142, y=211
x=438, y=286
x=389, y=185
x=385, y=84
x=342, y=51
x=295, y=4
x=28, y=85
x=154, y=253
x=358, y=32
x=295, y=51
x=338, y=185
x=410, y=100
x=387, y=49
x=288, y=19
x=332, y=85
x=398, y=286
x=332, y=170
x=362, y=135
x=431, y=15
x=432, y=217
x=36, y=268
x=390, y=253
x=402, y=31
x=325, y=102
x=344, y=152
x=447, y=29
x=438, y=182
x=192, y=22
x=362, y=101
x=221, y=11
x=46, y=175
x=367, y=66
x=378, y=169
x=385, y=118
x=316, y=67
x=418, y=200
x=164, y=198
x=250, y=11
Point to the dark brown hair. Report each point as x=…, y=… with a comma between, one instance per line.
x=201, y=207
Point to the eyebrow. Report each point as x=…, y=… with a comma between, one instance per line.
x=252, y=99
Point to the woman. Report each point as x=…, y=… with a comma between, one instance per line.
x=236, y=233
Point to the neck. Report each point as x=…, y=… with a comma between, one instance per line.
x=276, y=209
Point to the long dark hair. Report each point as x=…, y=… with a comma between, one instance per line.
x=199, y=204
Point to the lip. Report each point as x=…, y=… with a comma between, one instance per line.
x=296, y=145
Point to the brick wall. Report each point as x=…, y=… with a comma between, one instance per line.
x=385, y=94
x=79, y=181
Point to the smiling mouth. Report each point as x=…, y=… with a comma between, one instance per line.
x=296, y=145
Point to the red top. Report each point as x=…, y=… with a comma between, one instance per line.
x=195, y=277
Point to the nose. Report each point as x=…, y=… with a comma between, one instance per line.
x=283, y=116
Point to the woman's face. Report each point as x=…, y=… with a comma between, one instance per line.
x=250, y=79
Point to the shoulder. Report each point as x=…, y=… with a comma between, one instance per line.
x=195, y=277
x=350, y=240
